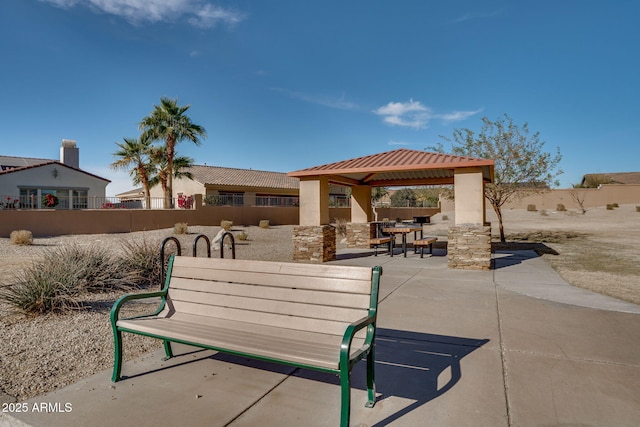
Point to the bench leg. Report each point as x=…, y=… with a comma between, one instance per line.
x=117, y=356
x=167, y=349
x=371, y=380
x=345, y=386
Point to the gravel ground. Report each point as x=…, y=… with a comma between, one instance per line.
x=40, y=354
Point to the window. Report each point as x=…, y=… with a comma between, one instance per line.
x=231, y=199
x=32, y=198
x=268, y=200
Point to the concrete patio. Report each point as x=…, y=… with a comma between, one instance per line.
x=514, y=346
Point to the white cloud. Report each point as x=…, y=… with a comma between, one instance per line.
x=415, y=115
x=199, y=13
x=409, y=114
x=396, y=143
x=209, y=16
x=456, y=116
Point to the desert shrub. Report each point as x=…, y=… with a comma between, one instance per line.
x=226, y=224
x=637, y=208
x=57, y=281
x=341, y=226
x=21, y=237
x=264, y=223
x=615, y=205
x=560, y=207
x=610, y=207
x=531, y=208
x=180, y=228
x=242, y=236
x=43, y=287
x=445, y=217
x=398, y=219
x=142, y=259
x=96, y=268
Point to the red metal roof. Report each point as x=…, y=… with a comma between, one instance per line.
x=397, y=167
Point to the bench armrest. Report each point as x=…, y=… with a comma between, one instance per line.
x=115, y=310
x=349, y=334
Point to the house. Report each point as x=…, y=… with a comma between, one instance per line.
x=595, y=179
x=238, y=187
x=34, y=183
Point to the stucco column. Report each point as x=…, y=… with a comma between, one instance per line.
x=314, y=240
x=360, y=204
x=469, y=196
x=314, y=201
x=469, y=241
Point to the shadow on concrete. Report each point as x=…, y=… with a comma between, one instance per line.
x=538, y=247
x=508, y=258
x=354, y=255
x=415, y=366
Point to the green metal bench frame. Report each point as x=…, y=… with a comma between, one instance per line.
x=347, y=357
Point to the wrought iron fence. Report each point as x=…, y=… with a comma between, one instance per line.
x=12, y=202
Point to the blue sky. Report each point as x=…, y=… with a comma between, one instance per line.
x=285, y=85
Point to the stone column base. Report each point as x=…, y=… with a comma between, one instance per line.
x=358, y=234
x=469, y=247
x=314, y=243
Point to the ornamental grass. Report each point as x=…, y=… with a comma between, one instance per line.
x=58, y=281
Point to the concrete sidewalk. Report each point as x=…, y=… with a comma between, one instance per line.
x=512, y=346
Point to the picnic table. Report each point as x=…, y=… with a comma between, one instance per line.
x=403, y=230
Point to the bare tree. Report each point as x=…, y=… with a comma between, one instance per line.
x=521, y=165
x=578, y=197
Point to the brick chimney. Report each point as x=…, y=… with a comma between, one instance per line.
x=69, y=153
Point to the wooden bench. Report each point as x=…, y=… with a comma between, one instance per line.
x=309, y=316
x=378, y=241
x=425, y=241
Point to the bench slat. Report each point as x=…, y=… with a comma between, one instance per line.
x=260, y=318
x=284, y=268
x=338, y=299
x=288, y=308
x=274, y=279
x=268, y=332
x=306, y=352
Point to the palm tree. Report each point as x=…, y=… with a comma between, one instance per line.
x=134, y=156
x=169, y=123
x=160, y=174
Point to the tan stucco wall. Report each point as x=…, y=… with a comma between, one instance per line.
x=593, y=197
x=59, y=222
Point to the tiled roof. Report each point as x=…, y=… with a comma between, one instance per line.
x=44, y=163
x=9, y=162
x=615, y=177
x=398, y=167
x=215, y=175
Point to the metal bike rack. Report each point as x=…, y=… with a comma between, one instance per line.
x=178, y=250
x=195, y=250
x=195, y=245
x=233, y=245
